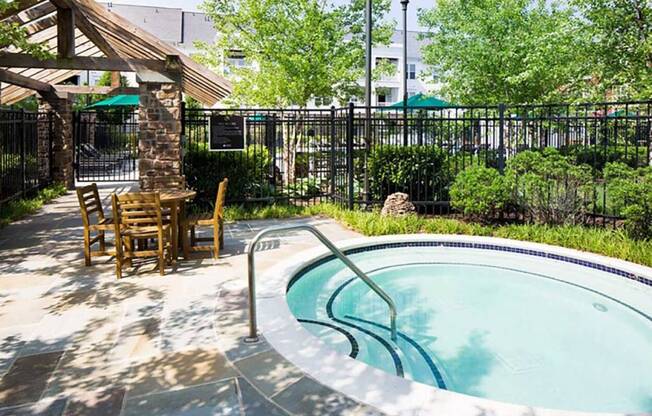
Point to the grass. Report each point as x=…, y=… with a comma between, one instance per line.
x=20, y=208
x=608, y=242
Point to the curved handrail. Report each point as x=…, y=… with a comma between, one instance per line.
x=253, y=328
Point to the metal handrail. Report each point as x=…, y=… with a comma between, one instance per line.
x=253, y=328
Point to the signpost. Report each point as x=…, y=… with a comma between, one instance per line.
x=227, y=133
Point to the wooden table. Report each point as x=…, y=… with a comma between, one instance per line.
x=175, y=200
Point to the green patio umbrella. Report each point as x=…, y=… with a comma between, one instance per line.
x=126, y=100
x=421, y=101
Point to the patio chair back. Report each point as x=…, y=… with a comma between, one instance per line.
x=90, y=203
x=138, y=216
x=218, y=214
x=137, y=210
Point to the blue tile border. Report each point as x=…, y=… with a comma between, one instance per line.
x=398, y=365
x=355, y=348
x=481, y=246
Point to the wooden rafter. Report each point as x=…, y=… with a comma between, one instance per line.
x=21, y=60
x=104, y=41
x=42, y=88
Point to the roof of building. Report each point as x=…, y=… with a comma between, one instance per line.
x=101, y=33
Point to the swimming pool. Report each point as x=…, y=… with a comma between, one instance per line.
x=512, y=322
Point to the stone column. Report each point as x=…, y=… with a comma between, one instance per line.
x=159, y=144
x=62, y=141
x=43, y=146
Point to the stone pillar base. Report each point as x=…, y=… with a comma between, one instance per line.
x=62, y=140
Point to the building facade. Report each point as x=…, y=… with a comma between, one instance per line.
x=183, y=28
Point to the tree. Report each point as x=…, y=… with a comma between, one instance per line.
x=511, y=51
x=621, y=46
x=295, y=50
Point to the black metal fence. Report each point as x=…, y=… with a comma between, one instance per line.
x=106, y=145
x=347, y=156
x=25, y=152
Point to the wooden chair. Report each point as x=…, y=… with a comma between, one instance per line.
x=215, y=220
x=91, y=206
x=137, y=216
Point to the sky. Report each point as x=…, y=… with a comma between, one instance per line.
x=395, y=13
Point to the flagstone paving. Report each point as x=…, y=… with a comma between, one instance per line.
x=76, y=341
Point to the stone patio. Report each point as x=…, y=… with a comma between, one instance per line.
x=76, y=341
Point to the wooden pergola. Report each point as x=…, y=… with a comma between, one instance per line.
x=82, y=35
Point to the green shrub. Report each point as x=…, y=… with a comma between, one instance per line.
x=248, y=172
x=599, y=156
x=17, y=209
x=549, y=188
x=420, y=171
x=480, y=192
x=305, y=188
x=631, y=194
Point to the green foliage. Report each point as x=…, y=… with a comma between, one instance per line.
x=620, y=53
x=480, y=192
x=608, y=242
x=295, y=50
x=241, y=212
x=305, y=188
x=512, y=51
x=247, y=172
x=15, y=210
x=13, y=34
x=598, y=156
x=631, y=193
x=549, y=188
x=421, y=171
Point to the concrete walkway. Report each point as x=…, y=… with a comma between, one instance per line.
x=75, y=341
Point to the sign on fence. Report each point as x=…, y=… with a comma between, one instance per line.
x=227, y=133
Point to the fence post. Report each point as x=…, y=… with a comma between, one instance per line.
x=501, y=138
x=23, y=164
x=349, y=154
x=333, y=144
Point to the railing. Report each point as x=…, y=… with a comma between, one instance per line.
x=25, y=152
x=253, y=328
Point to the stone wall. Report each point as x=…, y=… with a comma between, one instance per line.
x=62, y=141
x=159, y=144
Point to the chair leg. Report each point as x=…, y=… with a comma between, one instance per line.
x=118, y=261
x=185, y=242
x=161, y=256
x=129, y=248
x=102, y=234
x=87, y=247
x=216, y=243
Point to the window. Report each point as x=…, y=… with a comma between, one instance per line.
x=435, y=76
x=412, y=71
x=411, y=93
x=385, y=95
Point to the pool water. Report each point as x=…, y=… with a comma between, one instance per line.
x=502, y=326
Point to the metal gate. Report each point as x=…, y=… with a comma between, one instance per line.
x=106, y=145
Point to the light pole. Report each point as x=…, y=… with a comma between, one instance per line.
x=367, y=92
x=404, y=4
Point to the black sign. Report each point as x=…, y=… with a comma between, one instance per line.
x=227, y=133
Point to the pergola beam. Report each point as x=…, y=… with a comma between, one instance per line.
x=83, y=63
x=65, y=32
x=45, y=89
x=86, y=89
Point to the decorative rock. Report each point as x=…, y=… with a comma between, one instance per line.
x=397, y=204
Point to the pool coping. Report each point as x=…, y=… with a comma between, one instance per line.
x=387, y=392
